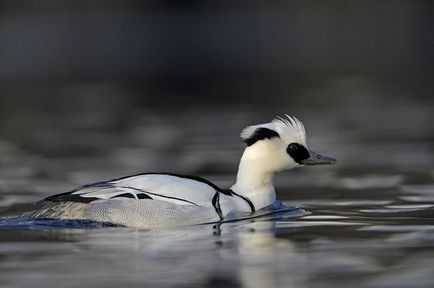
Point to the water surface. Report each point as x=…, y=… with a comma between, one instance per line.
x=371, y=216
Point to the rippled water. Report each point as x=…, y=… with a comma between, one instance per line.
x=371, y=220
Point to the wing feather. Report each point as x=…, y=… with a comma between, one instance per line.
x=178, y=189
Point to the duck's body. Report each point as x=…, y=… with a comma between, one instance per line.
x=147, y=200
x=161, y=199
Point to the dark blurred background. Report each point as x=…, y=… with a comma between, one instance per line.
x=98, y=89
x=210, y=51
x=133, y=86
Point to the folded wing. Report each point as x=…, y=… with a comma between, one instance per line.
x=178, y=189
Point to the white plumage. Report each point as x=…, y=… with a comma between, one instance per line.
x=288, y=128
x=161, y=199
x=165, y=187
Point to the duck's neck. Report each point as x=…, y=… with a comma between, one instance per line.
x=255, y=180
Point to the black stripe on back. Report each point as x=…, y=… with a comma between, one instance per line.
x=130, y=195
x=191, y=177
x=159, y=195
x=68, y=197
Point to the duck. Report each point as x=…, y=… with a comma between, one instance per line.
x=151, y=200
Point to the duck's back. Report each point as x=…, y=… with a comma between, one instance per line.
x=177, y=189
x=144, y=200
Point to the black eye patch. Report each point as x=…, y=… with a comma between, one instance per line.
x=297, y=152
x=260, y=134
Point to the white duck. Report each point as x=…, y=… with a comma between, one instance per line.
x=162, y=199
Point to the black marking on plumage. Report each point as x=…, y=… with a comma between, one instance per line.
x=100, y=184
x=227, y=192
x=124, y=195
x=190, y=177
x=297, y=152
x=144, y=196
x=261, y=134
x=216, y=204
x=250, y=203
x=131, y=195
x=69, y=197
x=159, y=195
x=73, y=196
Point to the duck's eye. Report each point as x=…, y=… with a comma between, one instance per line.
x=297, y=152
x=293, y=147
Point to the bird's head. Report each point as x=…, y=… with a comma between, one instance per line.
x=280, y=145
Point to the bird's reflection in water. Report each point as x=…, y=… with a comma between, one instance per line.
x=244, y=253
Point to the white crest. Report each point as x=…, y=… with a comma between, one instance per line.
x=290, y=129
